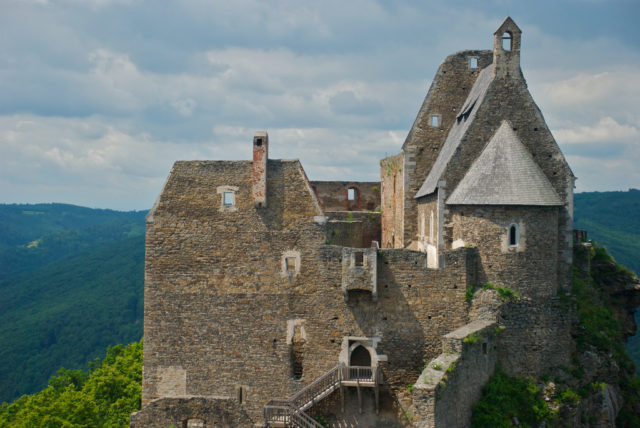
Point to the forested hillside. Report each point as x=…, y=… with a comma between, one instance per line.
x=613, y=220
x=71, y=281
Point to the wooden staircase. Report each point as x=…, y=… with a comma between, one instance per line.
x=291, y=412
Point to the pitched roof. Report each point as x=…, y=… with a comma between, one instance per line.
x=504, y=174
x=458, y=130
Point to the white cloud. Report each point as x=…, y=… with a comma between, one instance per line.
x=606, y=130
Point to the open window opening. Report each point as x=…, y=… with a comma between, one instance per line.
x=228, y=199
x=435, y=120
x=359, y=259
x=473, y=63
x=507, y=40
x=513, y=235
x=351, y=194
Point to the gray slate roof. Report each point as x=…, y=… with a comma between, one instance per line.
x=504, y=174
x=458, y=130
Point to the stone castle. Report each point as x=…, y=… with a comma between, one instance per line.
x=271, y=299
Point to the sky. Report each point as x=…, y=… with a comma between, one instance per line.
x=98, y=98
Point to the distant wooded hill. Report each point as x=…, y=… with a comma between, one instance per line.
x=71, y=283
x=71, y=280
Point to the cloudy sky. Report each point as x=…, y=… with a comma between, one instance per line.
x=99, y=97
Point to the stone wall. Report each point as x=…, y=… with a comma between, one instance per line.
x=529, y=267
x=334, y=195
x=537, y=335
x=392, y=181
x=451, y=383
x=353, y=228
x=449, y=89
x=188, y=412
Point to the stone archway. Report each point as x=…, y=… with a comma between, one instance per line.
x=360, y=356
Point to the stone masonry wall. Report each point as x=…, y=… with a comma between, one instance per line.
x=446, y=96
x=391, y=178
x=219, y=412
x=334, y=195
x=226, y=291
x=353, y=228
x=528, y=268
x=537, y=335
x=451, y=383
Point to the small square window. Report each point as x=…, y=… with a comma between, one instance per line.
x=228, y=198
x=473, y=63
x=435, y=120
x=290, y=264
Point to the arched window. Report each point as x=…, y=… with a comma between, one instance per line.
x=513, y=235
x=507, y=39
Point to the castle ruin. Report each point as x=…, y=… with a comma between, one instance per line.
x=270, y=298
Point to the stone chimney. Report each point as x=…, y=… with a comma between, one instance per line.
x=506, y=50
x=259, y=170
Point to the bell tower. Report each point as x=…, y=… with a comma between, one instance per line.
x=506, y=50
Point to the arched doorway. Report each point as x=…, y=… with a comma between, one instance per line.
x=360, y=356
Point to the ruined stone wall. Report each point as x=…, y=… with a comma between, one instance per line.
x=509, y=99
x=451, y=383
x=392, y=181
x=537, y=335
x=530, y=267
x=190, y=412
x=334, y=195
x=446, y=96
x=353, y=228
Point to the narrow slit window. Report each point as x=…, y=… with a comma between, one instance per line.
x=228, y=198
x=473, y=63
x=513, y=235
x=506, y=41
x=359, y=259
x=351, y=194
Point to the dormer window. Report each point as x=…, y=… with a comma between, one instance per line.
x=227, y=198
x=507, y=39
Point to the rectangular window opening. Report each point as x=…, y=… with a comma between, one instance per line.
x=473, y=63
x=228, y=198
x=435, y=120
x=290, y=264
x=351, y=194
x=359, y=259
